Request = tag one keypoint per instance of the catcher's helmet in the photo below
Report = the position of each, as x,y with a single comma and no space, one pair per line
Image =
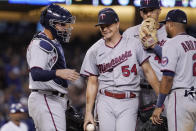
53,15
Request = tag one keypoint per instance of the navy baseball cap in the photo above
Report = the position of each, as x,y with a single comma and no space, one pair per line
107,16
17,108
149,4
176,15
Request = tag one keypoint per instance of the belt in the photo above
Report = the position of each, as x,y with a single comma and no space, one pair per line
56,93
118,95
147,86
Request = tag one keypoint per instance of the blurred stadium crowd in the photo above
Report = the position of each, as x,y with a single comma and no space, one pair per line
14,39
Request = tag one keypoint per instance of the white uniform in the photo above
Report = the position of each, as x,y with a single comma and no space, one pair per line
117,72
10,126
46,108
179,56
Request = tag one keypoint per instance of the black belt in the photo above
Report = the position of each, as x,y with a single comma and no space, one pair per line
56,93
147,86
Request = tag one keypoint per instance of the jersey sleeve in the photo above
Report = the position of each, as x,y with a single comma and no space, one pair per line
36,57
128,32
132,32
141,54
169,58
89,66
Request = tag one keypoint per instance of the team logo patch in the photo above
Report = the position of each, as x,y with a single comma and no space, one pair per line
147,1
164,61
102,16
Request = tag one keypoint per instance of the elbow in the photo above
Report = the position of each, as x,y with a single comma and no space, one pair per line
34,77
35,74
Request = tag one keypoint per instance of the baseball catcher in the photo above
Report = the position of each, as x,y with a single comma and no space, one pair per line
148,33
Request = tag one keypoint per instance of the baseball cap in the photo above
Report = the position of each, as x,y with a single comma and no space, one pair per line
107,16
16,108
149,4
176,15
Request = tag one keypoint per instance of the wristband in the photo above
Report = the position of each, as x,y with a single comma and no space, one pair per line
158,50
161,99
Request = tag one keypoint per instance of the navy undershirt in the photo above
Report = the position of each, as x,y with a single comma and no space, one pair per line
39,74
168,73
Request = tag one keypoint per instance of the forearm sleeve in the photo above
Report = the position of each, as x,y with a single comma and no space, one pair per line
39,74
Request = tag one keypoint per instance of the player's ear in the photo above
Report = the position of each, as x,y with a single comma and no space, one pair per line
118,25
142,14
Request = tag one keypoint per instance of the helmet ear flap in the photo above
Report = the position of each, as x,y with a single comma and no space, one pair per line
42,20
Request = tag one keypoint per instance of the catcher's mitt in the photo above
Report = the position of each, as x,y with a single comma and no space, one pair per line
74,120
148,33
149,126
145,112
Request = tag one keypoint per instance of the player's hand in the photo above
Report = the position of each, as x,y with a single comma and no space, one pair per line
67,74
88,119
156,116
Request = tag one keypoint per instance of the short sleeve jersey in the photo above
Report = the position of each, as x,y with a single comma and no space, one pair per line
154,60
179,56
116,68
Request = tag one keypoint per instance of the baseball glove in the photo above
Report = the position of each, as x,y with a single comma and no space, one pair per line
148,33
74,120
145,112
149,126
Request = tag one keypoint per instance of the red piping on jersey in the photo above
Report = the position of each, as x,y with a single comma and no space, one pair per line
175,113
116,43
90,73
145,60
34,67
83,75
50,112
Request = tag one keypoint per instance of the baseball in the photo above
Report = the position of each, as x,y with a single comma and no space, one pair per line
90,127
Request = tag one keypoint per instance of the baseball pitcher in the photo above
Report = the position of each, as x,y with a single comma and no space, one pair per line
111,65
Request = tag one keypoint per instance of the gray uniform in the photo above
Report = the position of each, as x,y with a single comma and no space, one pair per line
179,56
117,71
147,95
46,108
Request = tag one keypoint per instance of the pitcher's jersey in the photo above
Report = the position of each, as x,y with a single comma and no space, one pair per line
179,56
155,61
47,55
115,67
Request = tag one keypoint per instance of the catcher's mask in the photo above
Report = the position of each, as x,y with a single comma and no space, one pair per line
58,20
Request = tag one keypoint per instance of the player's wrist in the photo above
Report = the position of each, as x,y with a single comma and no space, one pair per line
57,73
160,101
